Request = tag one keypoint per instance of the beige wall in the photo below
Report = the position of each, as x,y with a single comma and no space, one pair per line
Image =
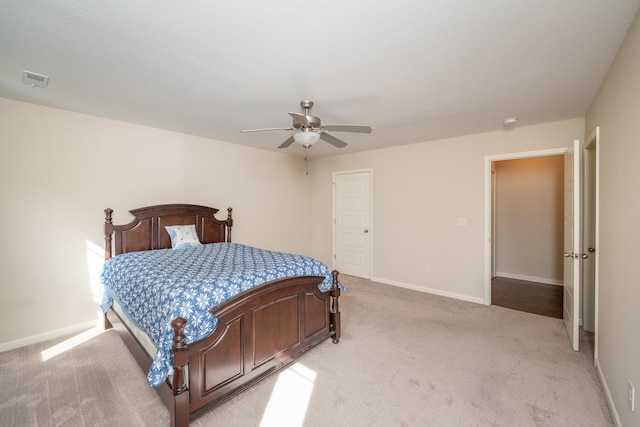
616,110
529,211
60,170
419,192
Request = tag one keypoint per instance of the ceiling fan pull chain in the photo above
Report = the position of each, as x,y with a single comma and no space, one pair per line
306,158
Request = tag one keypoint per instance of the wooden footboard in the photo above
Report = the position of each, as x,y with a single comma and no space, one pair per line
258,333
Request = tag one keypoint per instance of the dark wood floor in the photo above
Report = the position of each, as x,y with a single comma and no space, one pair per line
532,297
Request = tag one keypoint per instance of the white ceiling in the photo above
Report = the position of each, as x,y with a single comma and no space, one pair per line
414,70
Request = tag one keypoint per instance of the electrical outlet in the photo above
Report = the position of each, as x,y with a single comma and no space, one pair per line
632,397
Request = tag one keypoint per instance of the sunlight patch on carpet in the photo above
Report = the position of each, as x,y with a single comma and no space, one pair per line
72,342
289,400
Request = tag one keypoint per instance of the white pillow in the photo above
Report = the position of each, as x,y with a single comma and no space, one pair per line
183,236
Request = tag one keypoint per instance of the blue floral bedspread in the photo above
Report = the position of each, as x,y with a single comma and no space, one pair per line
155,287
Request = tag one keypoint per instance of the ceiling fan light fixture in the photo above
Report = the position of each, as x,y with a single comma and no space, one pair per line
306,137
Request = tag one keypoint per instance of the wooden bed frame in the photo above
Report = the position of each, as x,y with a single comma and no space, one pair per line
259,331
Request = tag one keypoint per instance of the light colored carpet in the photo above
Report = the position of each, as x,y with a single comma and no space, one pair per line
405,359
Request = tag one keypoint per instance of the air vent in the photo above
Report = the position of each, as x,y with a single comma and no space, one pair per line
34,79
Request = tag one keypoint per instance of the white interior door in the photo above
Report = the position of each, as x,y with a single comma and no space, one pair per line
589,186
352,239
572,245
591,237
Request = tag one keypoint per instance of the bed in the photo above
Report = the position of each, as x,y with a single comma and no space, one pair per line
257,332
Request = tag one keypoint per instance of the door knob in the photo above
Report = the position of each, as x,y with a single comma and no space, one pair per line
567,255
591,249
585,256
366,230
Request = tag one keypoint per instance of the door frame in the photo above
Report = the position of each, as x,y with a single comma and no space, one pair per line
488,206
333,213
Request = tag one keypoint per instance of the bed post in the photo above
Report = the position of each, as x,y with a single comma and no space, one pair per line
180,410
335,309
229,224
108,232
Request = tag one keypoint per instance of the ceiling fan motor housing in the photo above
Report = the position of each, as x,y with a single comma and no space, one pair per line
313,122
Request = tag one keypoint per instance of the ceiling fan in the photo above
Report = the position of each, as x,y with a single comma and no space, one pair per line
310,129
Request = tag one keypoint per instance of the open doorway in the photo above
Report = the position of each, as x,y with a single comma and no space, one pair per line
527,230
589,231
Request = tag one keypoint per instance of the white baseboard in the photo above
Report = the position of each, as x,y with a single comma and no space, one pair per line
607,393
429,290
529,278
47,335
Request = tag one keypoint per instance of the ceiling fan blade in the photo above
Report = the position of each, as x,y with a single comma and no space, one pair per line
265,129
348,128
300,118
338,143
287,143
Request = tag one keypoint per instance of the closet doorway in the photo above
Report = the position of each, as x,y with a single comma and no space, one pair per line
526,232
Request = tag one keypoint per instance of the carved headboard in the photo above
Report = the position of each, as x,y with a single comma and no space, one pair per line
146,231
